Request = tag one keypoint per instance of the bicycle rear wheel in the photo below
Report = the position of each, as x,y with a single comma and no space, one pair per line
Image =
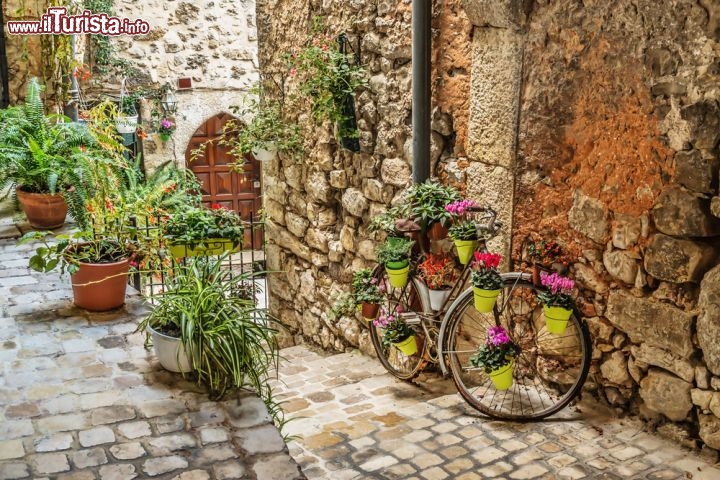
407,303
548,372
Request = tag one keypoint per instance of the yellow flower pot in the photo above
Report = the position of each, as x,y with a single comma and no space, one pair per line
502,377
484,299
398,278
208,247
408,346
556,319
465,250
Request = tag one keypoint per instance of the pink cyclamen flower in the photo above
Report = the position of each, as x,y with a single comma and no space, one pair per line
556,283
497,336
459,207
165,123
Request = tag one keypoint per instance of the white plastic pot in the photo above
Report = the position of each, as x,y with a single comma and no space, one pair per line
170,352
264,155
437,298
126,124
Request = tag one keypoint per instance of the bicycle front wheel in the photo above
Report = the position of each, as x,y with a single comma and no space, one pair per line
548,372
407,303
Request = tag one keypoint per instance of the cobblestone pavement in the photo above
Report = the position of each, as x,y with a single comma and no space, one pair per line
358,422
80,398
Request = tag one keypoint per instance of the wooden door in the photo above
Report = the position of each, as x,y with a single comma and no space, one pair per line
220,183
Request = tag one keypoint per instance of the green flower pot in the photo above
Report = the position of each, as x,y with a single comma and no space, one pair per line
398,277
556,319
484,299
502,377
465,250
408,346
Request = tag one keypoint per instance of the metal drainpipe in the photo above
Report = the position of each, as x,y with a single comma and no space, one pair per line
421,42
71,108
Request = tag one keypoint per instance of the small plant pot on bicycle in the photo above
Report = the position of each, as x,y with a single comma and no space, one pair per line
396,331
486,280
557,300
367,293
496,357
394,254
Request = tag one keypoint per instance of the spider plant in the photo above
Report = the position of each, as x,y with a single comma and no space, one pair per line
230,343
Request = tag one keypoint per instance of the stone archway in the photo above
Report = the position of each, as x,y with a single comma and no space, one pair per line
238,190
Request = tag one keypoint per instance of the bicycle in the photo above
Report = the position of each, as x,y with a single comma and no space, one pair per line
549,371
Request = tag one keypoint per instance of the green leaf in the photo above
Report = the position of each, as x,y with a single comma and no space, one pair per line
52,264
37,263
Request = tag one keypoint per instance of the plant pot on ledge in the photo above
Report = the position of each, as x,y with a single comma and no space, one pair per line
43,210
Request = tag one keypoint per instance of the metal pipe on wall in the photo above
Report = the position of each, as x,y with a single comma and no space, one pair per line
4,74
421,43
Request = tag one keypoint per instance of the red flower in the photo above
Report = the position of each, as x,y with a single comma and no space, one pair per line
216,206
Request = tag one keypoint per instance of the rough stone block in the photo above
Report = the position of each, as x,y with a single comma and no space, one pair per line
318,188
277,467
11,449
12,471
124,471
497,13
588,278
626,231
96,436
655,323
496,78
708,324
287,240
263,439
338,179
127,451
615,369
296,224
621,265
317,239
275,211
160,465
695,172
676,260
667,394
51,463
680,212
61,441
89,458
710,430
715,206
105,415
662,358
703,120
354,202
587,216
395,171
229,470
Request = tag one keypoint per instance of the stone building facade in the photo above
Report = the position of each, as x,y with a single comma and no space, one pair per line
595,123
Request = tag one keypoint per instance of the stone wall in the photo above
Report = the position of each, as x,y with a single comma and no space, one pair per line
214,43
319,208
618,159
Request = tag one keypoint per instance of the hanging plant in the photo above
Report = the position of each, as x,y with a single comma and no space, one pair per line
329,79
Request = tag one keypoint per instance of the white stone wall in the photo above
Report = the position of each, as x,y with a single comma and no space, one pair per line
212,42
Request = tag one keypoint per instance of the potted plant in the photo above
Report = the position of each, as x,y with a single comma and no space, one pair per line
438,273
543,254
496,357
266,133
427,203
205,327
486,280
126,120
166,127
196,231
98,265
557,300
463,230
367,293
44,160
394,254
396,331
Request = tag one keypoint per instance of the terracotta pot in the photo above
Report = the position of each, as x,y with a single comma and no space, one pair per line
100,286
370,310
44,211
437,231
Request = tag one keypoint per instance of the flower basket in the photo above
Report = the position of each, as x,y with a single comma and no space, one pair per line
437,298
211,246
465,249
408,346
502,377
484,299
370,310
126,124
556,319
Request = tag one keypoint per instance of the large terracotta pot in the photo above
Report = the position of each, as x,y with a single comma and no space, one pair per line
437,231
44,211
100,286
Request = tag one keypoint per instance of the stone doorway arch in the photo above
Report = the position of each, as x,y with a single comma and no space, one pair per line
240,191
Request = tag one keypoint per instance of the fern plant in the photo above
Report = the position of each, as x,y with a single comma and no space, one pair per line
50,154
